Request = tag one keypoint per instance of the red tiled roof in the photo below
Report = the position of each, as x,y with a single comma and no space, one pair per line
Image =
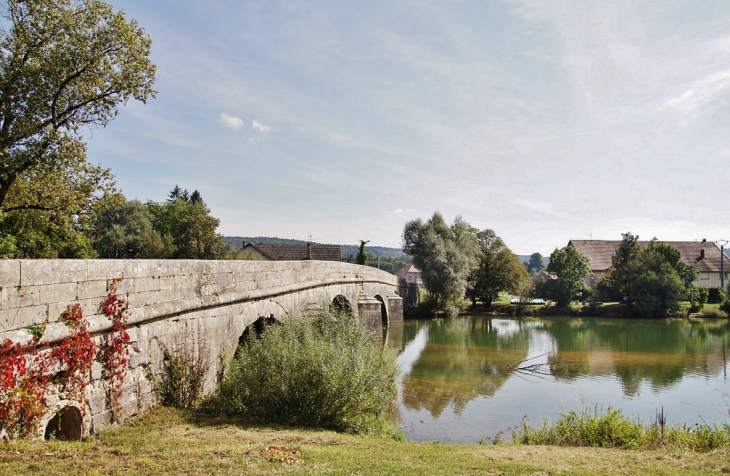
599,253
298,252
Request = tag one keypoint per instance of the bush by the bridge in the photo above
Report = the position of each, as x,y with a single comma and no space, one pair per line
323,371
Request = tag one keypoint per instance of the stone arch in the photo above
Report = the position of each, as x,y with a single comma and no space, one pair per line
255,330
383,309
65,425
341,304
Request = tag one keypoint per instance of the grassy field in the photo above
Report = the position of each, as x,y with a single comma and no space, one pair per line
178,442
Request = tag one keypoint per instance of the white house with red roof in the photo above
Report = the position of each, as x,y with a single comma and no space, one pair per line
410,273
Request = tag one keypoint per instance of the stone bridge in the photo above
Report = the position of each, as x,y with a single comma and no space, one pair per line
200,307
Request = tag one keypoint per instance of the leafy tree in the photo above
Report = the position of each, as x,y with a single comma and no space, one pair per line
498,269
655,277
362,255
48,207
536,264
123,229
663,279
64,64
570,268
187,229
444,254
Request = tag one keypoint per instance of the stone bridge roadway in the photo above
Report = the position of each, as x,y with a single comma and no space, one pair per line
200,306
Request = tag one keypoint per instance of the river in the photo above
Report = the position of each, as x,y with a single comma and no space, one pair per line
466,379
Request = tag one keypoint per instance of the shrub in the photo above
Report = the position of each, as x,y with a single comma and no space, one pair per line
714,314
323,370
183,377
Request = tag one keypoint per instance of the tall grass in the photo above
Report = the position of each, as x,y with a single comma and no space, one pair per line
612,429
323,370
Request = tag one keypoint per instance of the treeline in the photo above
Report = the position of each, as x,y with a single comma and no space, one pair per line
110,226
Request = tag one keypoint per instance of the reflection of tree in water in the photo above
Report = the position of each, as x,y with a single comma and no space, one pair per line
660,352
463,359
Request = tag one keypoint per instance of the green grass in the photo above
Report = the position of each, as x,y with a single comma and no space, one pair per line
182,442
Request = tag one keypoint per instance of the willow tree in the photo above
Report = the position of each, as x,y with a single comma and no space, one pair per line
65,65
444,254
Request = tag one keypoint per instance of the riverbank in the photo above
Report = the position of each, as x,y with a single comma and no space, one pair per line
178,442
607,310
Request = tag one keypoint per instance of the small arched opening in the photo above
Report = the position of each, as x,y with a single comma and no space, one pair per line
65,425
340,304
255,330
383,309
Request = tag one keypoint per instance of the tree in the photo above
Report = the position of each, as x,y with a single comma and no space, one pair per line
123,229
569,268
64,64
47,210
663,279
536,264
362,255
187,229
444,254
498,269
654,278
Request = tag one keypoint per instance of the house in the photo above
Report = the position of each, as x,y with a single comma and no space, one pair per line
410,273
297,252
703,254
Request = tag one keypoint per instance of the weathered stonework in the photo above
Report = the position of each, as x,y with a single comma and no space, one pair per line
201,306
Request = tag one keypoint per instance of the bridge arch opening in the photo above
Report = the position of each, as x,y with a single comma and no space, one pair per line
65,425
341,304
255,330
383,309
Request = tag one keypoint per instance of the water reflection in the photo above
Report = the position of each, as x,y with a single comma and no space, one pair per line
461,360
458,367
659,352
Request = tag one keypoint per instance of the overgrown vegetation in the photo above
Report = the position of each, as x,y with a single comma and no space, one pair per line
323,370
612,429
183,377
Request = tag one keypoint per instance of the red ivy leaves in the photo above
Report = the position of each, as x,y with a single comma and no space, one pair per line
26,370
76,354
22,388
115,347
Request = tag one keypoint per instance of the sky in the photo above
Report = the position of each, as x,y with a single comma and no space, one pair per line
545,121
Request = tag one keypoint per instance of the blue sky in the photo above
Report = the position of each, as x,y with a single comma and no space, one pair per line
543,120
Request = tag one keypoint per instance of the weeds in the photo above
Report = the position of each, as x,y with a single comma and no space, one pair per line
612,429
183,377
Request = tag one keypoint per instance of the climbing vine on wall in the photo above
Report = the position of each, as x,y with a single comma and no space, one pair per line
26,371
75,354
115,350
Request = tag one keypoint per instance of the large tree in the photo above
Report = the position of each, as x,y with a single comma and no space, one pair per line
444,254
64,65
568,269
498,269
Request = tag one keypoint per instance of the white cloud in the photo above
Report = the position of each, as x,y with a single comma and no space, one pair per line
259,126
701,92
231,121
399,210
